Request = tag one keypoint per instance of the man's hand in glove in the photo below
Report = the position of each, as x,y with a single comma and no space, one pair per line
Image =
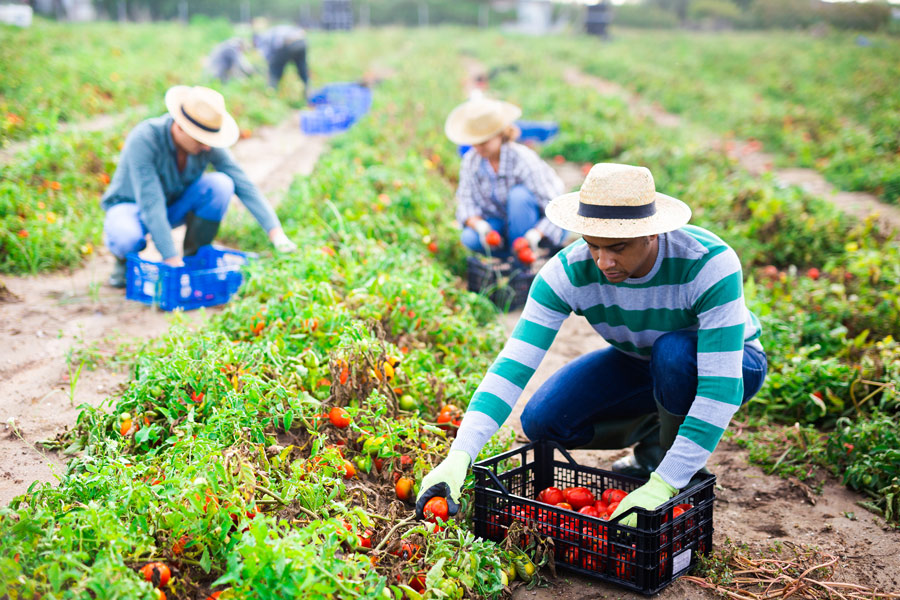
281,241
649,496
482,228
445,480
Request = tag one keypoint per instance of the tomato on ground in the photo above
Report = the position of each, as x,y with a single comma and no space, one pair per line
156,573
339,417
404,488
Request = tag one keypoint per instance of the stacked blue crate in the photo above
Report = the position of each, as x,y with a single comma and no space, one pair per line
532,131
336,107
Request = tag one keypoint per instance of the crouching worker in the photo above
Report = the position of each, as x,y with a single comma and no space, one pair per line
684,350
504,187
161,182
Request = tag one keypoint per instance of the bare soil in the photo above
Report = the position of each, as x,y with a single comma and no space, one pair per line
42,318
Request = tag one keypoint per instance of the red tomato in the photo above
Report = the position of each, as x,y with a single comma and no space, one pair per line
493,239
349,470
579,496
551,495
520,243
612,495
156,573
589,510
365,540
564,505
404,488
436,509
595,541
339,417
526,256
611,509
601,507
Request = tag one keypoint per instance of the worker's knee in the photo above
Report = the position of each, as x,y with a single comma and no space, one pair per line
122,230
219,188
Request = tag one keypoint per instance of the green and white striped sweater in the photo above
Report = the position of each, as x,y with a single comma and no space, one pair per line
694,285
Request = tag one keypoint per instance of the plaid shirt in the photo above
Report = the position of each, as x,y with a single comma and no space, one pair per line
482,193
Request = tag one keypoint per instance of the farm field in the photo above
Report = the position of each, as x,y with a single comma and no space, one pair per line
216,456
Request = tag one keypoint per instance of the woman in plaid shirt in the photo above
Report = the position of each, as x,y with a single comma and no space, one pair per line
503,186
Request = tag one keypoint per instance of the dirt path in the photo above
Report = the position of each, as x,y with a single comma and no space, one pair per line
749,156
58,312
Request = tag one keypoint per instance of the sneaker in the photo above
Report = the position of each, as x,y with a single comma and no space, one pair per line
118,277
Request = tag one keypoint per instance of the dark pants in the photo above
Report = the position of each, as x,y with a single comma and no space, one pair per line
296,52
608,384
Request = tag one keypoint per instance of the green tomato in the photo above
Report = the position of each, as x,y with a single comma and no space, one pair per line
363,462
407,402
373,445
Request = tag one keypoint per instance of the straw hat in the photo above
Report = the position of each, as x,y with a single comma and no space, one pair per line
479,119
200,112
618,201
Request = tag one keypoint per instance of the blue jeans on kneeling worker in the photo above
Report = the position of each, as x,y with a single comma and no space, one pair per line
207,198
609,384
522,213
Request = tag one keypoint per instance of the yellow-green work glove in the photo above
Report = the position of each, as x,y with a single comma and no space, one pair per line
648,496
445,480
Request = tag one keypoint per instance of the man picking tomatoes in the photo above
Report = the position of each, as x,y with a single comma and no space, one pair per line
684,350
161,181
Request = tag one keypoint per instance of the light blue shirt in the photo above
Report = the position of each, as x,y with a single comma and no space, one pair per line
148,175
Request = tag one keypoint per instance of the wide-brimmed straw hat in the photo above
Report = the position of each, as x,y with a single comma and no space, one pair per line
200,112
479,119
618,201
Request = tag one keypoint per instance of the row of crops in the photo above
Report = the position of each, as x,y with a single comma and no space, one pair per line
826,102
218,458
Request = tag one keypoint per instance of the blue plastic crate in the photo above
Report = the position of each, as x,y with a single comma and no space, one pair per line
325,120
208,278
532,131
353,97
537,131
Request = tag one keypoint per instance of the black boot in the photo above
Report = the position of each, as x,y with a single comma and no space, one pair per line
200,232
651,449
615,434
118,278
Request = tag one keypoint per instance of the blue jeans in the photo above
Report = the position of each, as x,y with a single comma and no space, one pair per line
608,384
207,198
523,213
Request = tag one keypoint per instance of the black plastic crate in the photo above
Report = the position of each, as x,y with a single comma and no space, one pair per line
505,284
645,558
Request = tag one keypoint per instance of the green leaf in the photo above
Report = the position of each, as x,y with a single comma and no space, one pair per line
288,419
206,561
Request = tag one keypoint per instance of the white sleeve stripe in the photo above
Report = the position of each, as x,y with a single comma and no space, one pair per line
522,352
712,411
500,387
720,364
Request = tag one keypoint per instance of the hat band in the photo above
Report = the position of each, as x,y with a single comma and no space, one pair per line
198,123
605,211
